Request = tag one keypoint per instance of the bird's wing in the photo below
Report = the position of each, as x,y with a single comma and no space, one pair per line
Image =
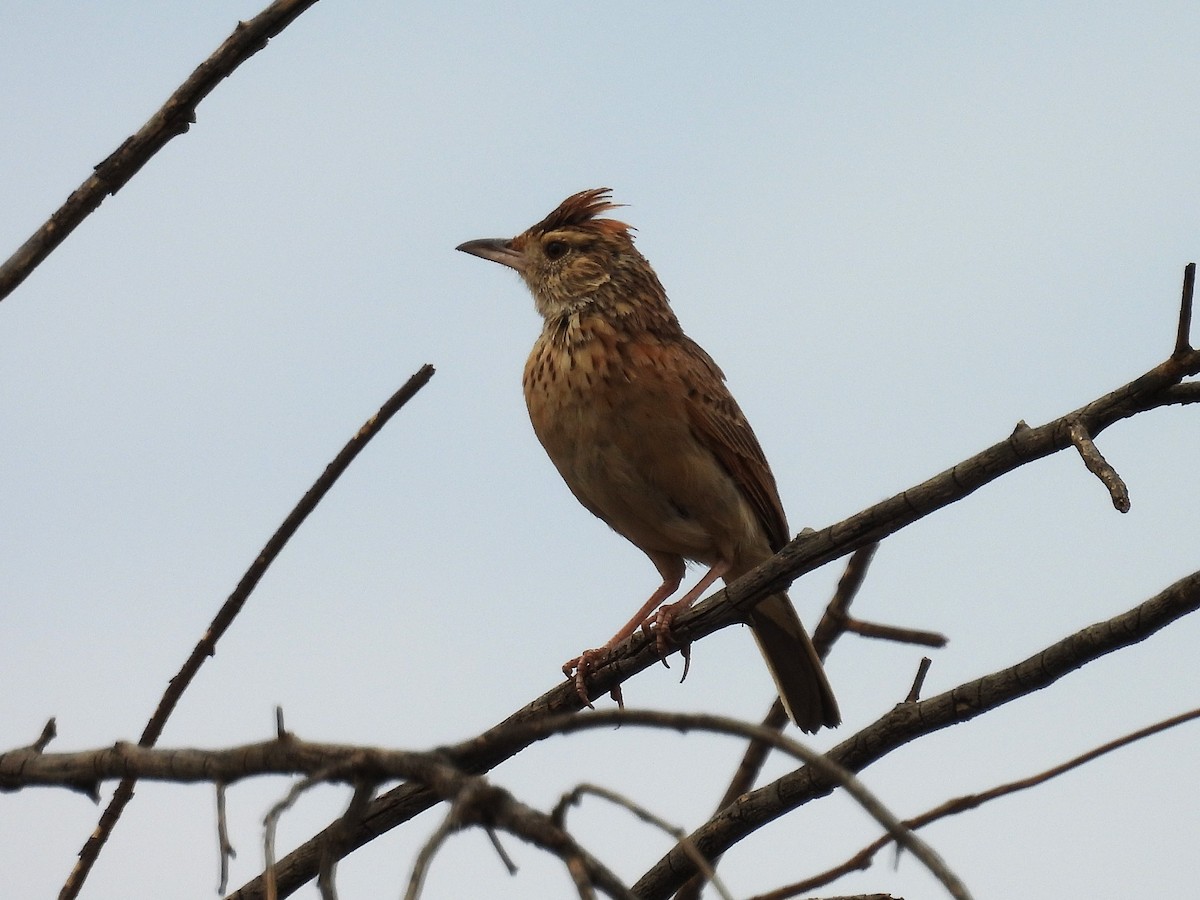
721,425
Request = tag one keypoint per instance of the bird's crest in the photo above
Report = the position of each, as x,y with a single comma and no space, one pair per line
580,211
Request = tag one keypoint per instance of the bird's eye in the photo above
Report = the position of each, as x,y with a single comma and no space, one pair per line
556,250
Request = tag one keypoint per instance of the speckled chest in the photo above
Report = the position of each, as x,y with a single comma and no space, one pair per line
588,365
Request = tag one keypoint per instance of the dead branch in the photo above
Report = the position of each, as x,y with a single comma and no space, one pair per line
224,847
174,118
483,804
575,797
228,612
1100,467
914,693
862,860
1183,344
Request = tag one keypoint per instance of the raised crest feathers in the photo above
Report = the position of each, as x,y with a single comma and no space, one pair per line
580,211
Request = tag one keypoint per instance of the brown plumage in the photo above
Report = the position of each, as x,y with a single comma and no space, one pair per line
637,420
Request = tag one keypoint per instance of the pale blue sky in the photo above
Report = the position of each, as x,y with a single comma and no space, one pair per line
899,229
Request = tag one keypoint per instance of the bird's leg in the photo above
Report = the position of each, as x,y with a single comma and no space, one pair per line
590,659
661,621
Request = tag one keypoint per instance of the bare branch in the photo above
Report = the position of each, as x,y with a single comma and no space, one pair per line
895,633
824,764
49,733
1182,394
1099,466
224,847
837,612
862,860
364,790
575,796
478,802
900,726
475,800
228,611
1183,344
914,693
174,118
416,879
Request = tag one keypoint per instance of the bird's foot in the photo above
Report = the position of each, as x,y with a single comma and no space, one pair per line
659,624
578,668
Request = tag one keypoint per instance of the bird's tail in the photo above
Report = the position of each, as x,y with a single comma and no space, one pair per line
794,664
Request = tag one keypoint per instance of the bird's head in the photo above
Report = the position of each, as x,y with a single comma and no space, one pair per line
571,258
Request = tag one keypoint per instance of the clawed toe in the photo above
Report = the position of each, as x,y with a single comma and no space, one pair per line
659,625
578,669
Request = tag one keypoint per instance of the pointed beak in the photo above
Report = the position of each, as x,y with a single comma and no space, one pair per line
497,250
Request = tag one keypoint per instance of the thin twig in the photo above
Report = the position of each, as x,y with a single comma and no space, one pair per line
914,693
49,733
428,850
1183,343
862,859
206,647
364,790
224,847
825,768
573,798
174,118
271,821
1099,466
500,851
895,633
833,622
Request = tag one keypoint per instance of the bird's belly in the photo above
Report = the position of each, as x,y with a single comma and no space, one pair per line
639,470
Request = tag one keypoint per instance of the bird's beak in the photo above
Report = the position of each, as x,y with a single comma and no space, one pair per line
497,250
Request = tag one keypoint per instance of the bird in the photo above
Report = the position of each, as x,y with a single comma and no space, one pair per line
638,421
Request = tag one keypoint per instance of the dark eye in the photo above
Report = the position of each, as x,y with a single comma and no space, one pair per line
556,250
